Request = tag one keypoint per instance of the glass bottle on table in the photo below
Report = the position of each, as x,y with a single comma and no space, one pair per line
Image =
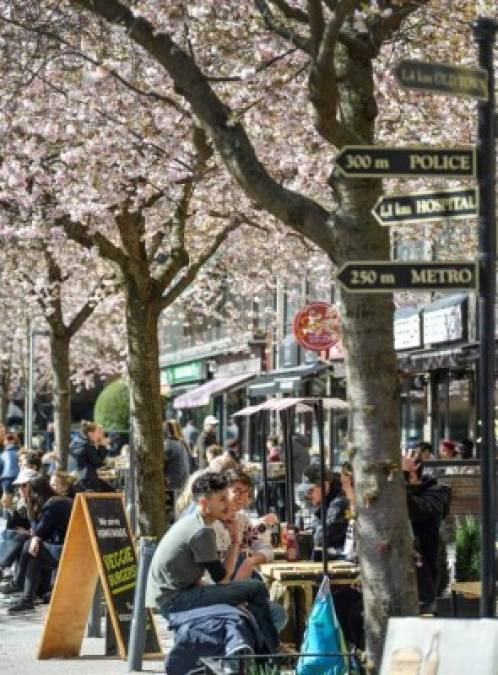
292,547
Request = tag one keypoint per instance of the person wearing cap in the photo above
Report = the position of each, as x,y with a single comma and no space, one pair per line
206,438
335,503
18,524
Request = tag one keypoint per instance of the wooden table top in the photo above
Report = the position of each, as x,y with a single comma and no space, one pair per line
469,589
309,571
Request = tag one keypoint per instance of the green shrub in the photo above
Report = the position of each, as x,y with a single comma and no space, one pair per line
468,550
112,408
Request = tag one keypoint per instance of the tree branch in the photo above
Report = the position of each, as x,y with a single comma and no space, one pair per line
317,23
382,28
229,138
289,12
54,318
78,233
86,310
324,93
276,26
193,270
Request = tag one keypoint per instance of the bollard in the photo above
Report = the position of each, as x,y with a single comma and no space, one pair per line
94,620
137,632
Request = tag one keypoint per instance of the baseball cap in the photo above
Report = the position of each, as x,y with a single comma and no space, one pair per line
210,419
25,476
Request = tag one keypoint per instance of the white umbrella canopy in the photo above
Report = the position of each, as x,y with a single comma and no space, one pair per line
302,405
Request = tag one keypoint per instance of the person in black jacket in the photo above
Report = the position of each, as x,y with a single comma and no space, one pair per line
428,504
336,505
89,453
49,516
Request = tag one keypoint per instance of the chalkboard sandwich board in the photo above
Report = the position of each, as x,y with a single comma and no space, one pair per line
98,545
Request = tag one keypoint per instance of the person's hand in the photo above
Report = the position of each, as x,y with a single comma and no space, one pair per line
233,529
270,519
407,464
245,570
34,546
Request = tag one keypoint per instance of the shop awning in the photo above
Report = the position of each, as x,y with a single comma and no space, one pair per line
200,396
283,381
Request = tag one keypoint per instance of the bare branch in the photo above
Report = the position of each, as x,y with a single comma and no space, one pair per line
78,233
384,27
278,27
317,23
323,80
72,51
87,309
191,273
289,12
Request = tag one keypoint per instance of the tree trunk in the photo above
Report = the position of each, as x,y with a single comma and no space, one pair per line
387,568
145,405
59,352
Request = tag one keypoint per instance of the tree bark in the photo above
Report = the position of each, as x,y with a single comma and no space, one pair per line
142,314
59,352
386,549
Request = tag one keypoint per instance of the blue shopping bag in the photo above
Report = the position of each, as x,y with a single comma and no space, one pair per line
323,634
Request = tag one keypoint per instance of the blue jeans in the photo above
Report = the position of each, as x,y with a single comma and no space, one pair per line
234,593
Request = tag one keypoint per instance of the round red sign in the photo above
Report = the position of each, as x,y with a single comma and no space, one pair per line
317,326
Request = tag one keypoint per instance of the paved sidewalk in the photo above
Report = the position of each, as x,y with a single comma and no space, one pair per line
20,636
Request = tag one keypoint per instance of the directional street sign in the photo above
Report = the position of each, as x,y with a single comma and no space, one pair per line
377,276
421,207
363,161
443,78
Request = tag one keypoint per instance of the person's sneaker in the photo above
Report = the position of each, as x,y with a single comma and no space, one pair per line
9,587
21,606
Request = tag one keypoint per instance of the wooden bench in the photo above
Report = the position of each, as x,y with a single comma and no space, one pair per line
465,494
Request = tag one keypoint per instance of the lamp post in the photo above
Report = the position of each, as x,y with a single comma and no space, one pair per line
485,30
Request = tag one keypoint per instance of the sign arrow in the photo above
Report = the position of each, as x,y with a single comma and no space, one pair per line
443,78
421,207
363,161
378,276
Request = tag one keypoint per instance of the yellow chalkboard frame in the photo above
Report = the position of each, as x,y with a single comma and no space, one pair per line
79,568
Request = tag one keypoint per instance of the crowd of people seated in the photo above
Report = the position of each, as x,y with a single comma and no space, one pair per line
212,552
36,502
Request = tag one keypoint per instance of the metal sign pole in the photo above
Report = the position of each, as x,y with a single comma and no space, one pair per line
485,33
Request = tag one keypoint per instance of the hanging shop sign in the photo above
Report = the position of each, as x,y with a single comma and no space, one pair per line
422,207
364,161
407,330
317,327
443,325
443,78
193,371
381,277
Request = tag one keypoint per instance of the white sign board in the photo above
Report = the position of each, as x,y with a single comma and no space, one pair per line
417,646
443,325
407,333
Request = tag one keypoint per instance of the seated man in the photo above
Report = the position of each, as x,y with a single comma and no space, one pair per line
188,549
337,513
253,537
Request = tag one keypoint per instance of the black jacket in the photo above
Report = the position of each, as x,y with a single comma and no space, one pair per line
88,459
428,504
337,520
54,519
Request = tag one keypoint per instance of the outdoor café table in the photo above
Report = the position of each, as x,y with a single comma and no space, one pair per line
307,576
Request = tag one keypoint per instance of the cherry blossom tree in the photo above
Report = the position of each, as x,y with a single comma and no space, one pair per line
335,54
